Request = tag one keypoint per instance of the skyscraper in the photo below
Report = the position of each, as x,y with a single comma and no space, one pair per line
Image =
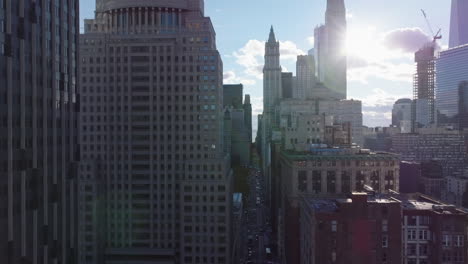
306,80
424,85
155,178
335,23
402,113
451,69
272,93
38,131
459,23
287,84
320,52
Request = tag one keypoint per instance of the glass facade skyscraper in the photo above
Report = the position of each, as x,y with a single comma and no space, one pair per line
451,69
459,23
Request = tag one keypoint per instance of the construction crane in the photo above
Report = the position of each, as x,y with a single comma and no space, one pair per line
436,36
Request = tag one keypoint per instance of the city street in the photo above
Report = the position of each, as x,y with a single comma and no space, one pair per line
256,229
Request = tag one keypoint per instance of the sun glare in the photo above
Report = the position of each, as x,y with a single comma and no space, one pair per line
363,43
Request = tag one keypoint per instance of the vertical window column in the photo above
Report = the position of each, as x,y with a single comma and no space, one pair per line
179,18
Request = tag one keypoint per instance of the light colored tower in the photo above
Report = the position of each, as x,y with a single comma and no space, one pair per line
306,80
335,24
459,23
272,93
271,75
155,182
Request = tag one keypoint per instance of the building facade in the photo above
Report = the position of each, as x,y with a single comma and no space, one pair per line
424,83
444,146
433,232
451,69
330,49
155,181
287,85
232,95
361,229
306,80
402,114
39,153
324,173
458,23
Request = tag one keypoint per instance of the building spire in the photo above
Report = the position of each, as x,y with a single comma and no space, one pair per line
272,37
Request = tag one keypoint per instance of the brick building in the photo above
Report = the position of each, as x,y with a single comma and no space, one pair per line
358,230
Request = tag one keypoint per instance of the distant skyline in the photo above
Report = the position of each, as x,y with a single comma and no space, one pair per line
382,39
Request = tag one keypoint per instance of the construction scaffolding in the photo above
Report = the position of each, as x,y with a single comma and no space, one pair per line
424,80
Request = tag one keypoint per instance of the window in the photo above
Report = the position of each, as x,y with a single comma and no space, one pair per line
411,249
385,241
446,240
411,234
423,235
334,225
302,181
459,241
384,225
423,249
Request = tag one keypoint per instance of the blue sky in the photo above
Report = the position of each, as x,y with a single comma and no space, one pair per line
382,36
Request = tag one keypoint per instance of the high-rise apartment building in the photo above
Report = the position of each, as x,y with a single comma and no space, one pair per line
38,131
155,182
458,23
451,69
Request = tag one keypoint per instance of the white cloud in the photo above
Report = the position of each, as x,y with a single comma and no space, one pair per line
387,56
230,77
311,40
377,107
402,72
289,50
251,56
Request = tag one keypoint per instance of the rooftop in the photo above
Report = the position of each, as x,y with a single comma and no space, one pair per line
339,154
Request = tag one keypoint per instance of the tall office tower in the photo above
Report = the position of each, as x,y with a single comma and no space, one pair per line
232,95
459,23
463,105
306,80
451,69
248,115
287,85
320,52
424,84
335,23
272,93
155,180
402,114
38,131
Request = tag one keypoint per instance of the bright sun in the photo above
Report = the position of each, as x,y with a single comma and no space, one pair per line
363,43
